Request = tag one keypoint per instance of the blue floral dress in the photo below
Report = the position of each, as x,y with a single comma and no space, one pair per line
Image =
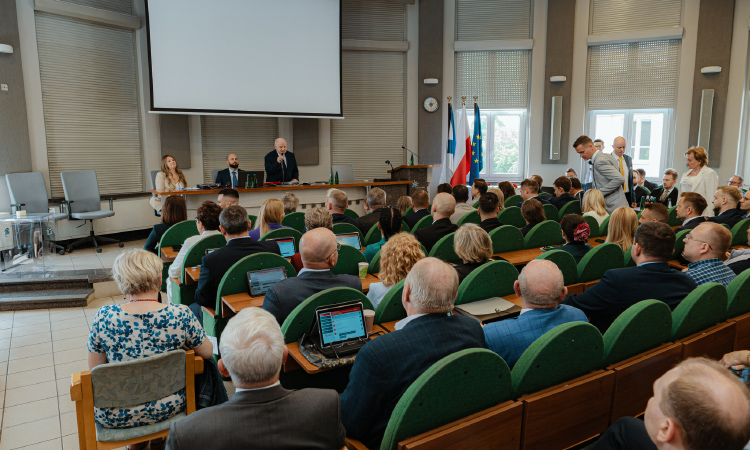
125,337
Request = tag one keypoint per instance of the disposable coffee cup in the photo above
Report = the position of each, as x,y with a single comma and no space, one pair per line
363,269
369,319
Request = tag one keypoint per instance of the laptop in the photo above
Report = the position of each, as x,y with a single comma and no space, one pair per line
243,176
342,328
260,281
286,245
349,239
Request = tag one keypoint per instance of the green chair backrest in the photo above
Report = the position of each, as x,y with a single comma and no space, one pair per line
253,220
299,320
511,215
679,243
177,233
739,232
628,258
284,232
551,213
643,326
390,307
703,308
513,200
234,280
198,251
572,207
673,221
476,204
481,377
374,266
738,293
405,227
348,262
491,279
561,354
593,225
599,260
648,191
472,217
443,249
295,220
424,222
565,262
408,211
506,238
604,227
373,236
350,213
544,234
343,227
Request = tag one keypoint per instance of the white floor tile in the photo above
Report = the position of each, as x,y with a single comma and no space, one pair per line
31,320
6,324
67,369
63,387
65,404
30,433
74,354
68,424
65,314
69,323
70,333
96,303
30,312
5,334
30,329
30,363
69,344
21,341
30,350
4,355
29,412
54,444
4,344
70,442
30,378
28,394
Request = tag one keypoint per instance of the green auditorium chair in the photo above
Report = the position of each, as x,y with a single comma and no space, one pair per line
738,309
544,234
471,217
175,235
679,243
294,220
511,215
345,228
604,227
373,236
701,309
506,238
572,207
513,200
183,294
348,261
551,213
599,260
673,221
390,307
424,222
443,249
350,213
491,279
593,225
565,262
643,326
739,232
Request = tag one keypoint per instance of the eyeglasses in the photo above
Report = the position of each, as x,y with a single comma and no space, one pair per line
338,247
689,237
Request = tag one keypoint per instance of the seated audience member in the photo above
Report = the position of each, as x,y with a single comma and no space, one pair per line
744,205
698,405
233,224
622,226
319,252
500,196
576,190
736,181
725,203
169,179
261,414
374,201
705,248
594,205
689,208
174,210
538,179
620,289
403,203
530,190
269,218
478,188
507,188
489,208
667,195
397,257
533,213
207,221
314,218
638,190
571,173
739,260
576,232
461,194
562,195
228,197
421,202
385,367
443,207
291,202
336,203
654,212
445,187
474,246
140,328
389,224
651,186
540,287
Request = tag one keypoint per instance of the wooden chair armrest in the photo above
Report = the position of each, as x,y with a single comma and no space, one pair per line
210,311
353,444
198,365
76,393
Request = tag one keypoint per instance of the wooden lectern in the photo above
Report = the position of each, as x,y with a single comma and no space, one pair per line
419,175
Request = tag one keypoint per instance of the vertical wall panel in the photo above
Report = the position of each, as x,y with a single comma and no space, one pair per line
430,66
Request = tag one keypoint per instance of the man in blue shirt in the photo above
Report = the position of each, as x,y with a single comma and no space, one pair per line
540,286
705,247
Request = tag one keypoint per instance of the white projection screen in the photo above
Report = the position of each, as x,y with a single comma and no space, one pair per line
256,57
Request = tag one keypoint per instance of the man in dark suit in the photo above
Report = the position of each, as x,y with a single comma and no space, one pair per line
336,203
230,175
530,189
443,206
651,186
667,195
744,205
562,197
388,365
261,414
576,190
280,164
725,203
689,208
373,202
489,208
233,223
421,202
625,165
319,252
620,289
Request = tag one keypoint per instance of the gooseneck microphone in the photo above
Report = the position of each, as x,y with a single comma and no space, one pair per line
410,152
389,163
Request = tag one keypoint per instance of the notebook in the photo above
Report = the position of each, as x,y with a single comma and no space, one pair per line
490,310
260,281
349,239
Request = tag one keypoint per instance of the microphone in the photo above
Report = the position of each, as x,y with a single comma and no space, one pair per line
389,163
410,152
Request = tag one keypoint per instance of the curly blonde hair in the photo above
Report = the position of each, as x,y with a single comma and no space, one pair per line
136,271
397,256
622,225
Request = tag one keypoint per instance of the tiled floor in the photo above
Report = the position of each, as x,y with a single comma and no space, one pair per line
87,258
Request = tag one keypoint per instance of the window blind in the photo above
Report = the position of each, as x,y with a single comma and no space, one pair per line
250,138
617,16
479,20
89,94
373,128
120,6
499,78
373,20
633,75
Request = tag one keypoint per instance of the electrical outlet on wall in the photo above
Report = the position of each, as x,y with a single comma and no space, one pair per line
3,87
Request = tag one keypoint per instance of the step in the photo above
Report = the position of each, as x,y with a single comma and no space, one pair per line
38,299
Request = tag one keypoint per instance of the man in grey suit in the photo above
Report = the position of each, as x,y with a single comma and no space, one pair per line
261,414
319,252
624,165
606,173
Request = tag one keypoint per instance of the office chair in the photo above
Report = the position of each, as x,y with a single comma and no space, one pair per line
153,187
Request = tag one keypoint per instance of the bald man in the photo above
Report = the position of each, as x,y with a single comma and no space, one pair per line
280,164
705,248
540,287
625,164
319,252
443,207
230,175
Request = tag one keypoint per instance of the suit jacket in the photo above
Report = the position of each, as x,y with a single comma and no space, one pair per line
464,269
461,210
388,365
364,223
429,236
609,180
640,192
562,200
620,289
509,338
286,295
155,236
276,172
577,249
413,218
525,230
490,224
343,218
224,178
628,168
729,217
269,418
671,197
650,185
541,199
694,222
217,263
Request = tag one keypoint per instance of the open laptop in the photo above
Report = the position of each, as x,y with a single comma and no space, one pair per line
260,281
342,328
349,239
243,176
286,245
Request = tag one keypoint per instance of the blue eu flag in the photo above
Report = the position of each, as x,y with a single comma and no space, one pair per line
477,163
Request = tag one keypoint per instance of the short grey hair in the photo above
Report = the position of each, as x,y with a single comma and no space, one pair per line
742,180
318,218
252,346
541,283
433,286
376,197
137,271
338,199
234,219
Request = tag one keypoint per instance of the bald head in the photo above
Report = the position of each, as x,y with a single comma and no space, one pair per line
430,287
280,145
317,248
443,206
618,146
540,285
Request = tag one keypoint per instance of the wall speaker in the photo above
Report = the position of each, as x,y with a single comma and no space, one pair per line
556,128
704,126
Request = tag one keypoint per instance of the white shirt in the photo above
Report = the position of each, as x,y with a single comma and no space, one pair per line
236,390
688,220
402,323
283,156
312,270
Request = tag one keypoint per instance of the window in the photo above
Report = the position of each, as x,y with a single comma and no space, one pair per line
503,143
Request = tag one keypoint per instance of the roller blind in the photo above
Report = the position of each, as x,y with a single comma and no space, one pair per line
120,6
633,75
479,20
373,128
617,16
89,94
250,138
373,20
499,78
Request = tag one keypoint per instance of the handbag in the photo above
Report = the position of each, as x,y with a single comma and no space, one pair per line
490,310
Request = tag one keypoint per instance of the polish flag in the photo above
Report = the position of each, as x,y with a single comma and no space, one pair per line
462,157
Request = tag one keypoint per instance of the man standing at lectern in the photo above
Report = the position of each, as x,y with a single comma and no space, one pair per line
280,165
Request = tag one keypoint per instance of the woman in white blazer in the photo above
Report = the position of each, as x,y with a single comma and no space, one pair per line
700,179
170,179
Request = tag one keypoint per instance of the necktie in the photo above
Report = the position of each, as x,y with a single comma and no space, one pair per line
234,178
625,184
663,196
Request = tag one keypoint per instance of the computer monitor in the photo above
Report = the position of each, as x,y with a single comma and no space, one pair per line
260,281
286,245
349,239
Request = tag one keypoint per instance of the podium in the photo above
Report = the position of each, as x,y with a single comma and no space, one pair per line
419,175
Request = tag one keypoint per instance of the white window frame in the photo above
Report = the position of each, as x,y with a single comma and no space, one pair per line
489,138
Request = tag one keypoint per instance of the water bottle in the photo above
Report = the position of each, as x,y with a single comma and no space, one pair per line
643,202
247,182
255,181
330,180
669,203
337,177
411,162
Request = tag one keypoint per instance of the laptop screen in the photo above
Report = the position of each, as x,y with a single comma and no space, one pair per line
349,239
340,324
286,245
260,281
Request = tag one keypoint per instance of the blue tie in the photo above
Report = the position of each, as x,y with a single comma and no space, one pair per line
234,178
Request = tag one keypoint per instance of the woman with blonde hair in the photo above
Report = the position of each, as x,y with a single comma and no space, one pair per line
700,178
473,245
269,218
594,205
397,256
622,226
169,179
